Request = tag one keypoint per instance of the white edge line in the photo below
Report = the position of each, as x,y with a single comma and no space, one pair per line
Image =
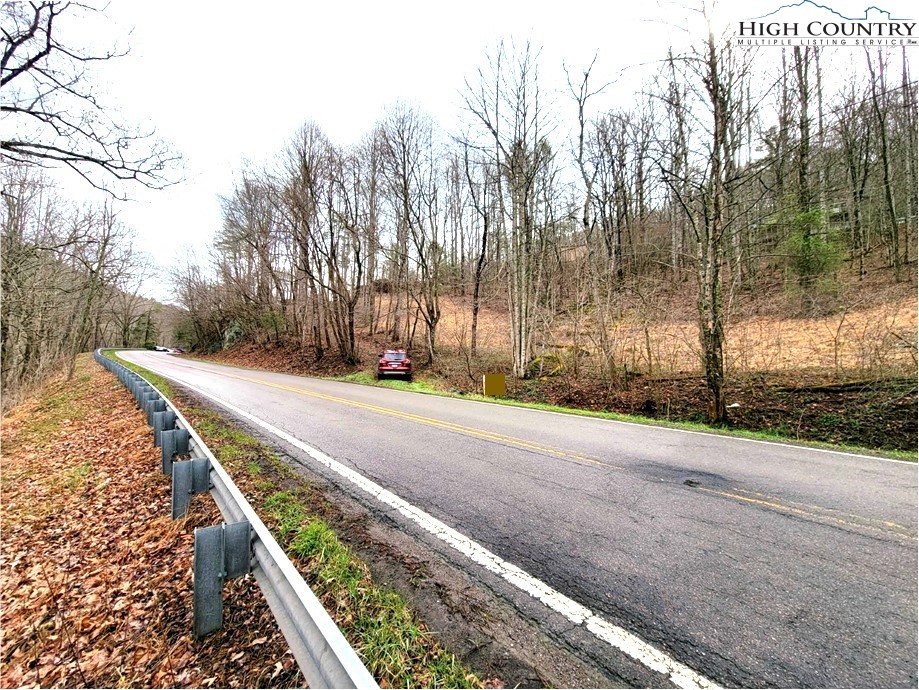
679,674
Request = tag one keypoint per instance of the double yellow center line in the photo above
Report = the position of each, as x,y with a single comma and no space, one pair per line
827,516
815,513
437,423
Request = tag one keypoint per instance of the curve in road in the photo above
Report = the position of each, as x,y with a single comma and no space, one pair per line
752,563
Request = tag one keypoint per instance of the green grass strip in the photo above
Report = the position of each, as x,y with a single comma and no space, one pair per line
382,628
158,381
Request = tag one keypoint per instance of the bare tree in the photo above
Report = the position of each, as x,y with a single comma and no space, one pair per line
676,149
508,106
53,117
250,257
203,299
415,185
342,246
855,138
483,210
881,112
129,312
103,259
707,196
305,179
593,164
60,267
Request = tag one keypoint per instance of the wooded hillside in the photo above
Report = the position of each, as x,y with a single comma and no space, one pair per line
731,182
71,282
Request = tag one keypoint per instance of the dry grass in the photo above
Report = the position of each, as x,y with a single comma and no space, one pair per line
877,340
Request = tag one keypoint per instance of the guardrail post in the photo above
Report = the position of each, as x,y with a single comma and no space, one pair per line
154,406
221,553
188,478
146,394
162,421
174,442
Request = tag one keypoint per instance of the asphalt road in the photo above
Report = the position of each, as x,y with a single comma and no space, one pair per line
754,564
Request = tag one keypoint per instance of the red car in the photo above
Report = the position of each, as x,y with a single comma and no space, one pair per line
394,363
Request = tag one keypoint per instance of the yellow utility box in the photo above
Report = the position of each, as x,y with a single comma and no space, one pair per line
494,385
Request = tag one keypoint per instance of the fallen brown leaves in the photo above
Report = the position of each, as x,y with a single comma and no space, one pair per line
96,586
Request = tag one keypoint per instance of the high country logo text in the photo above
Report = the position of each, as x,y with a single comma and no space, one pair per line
828,29
809,23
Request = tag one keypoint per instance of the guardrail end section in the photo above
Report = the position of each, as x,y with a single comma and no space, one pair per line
221,553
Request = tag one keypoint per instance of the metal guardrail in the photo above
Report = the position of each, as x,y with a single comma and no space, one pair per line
241,545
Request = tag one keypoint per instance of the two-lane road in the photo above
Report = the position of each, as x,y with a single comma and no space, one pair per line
690,557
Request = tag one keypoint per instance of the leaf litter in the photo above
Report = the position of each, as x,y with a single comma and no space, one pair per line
95,578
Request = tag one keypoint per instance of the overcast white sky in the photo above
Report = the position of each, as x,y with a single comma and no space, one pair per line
224,83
